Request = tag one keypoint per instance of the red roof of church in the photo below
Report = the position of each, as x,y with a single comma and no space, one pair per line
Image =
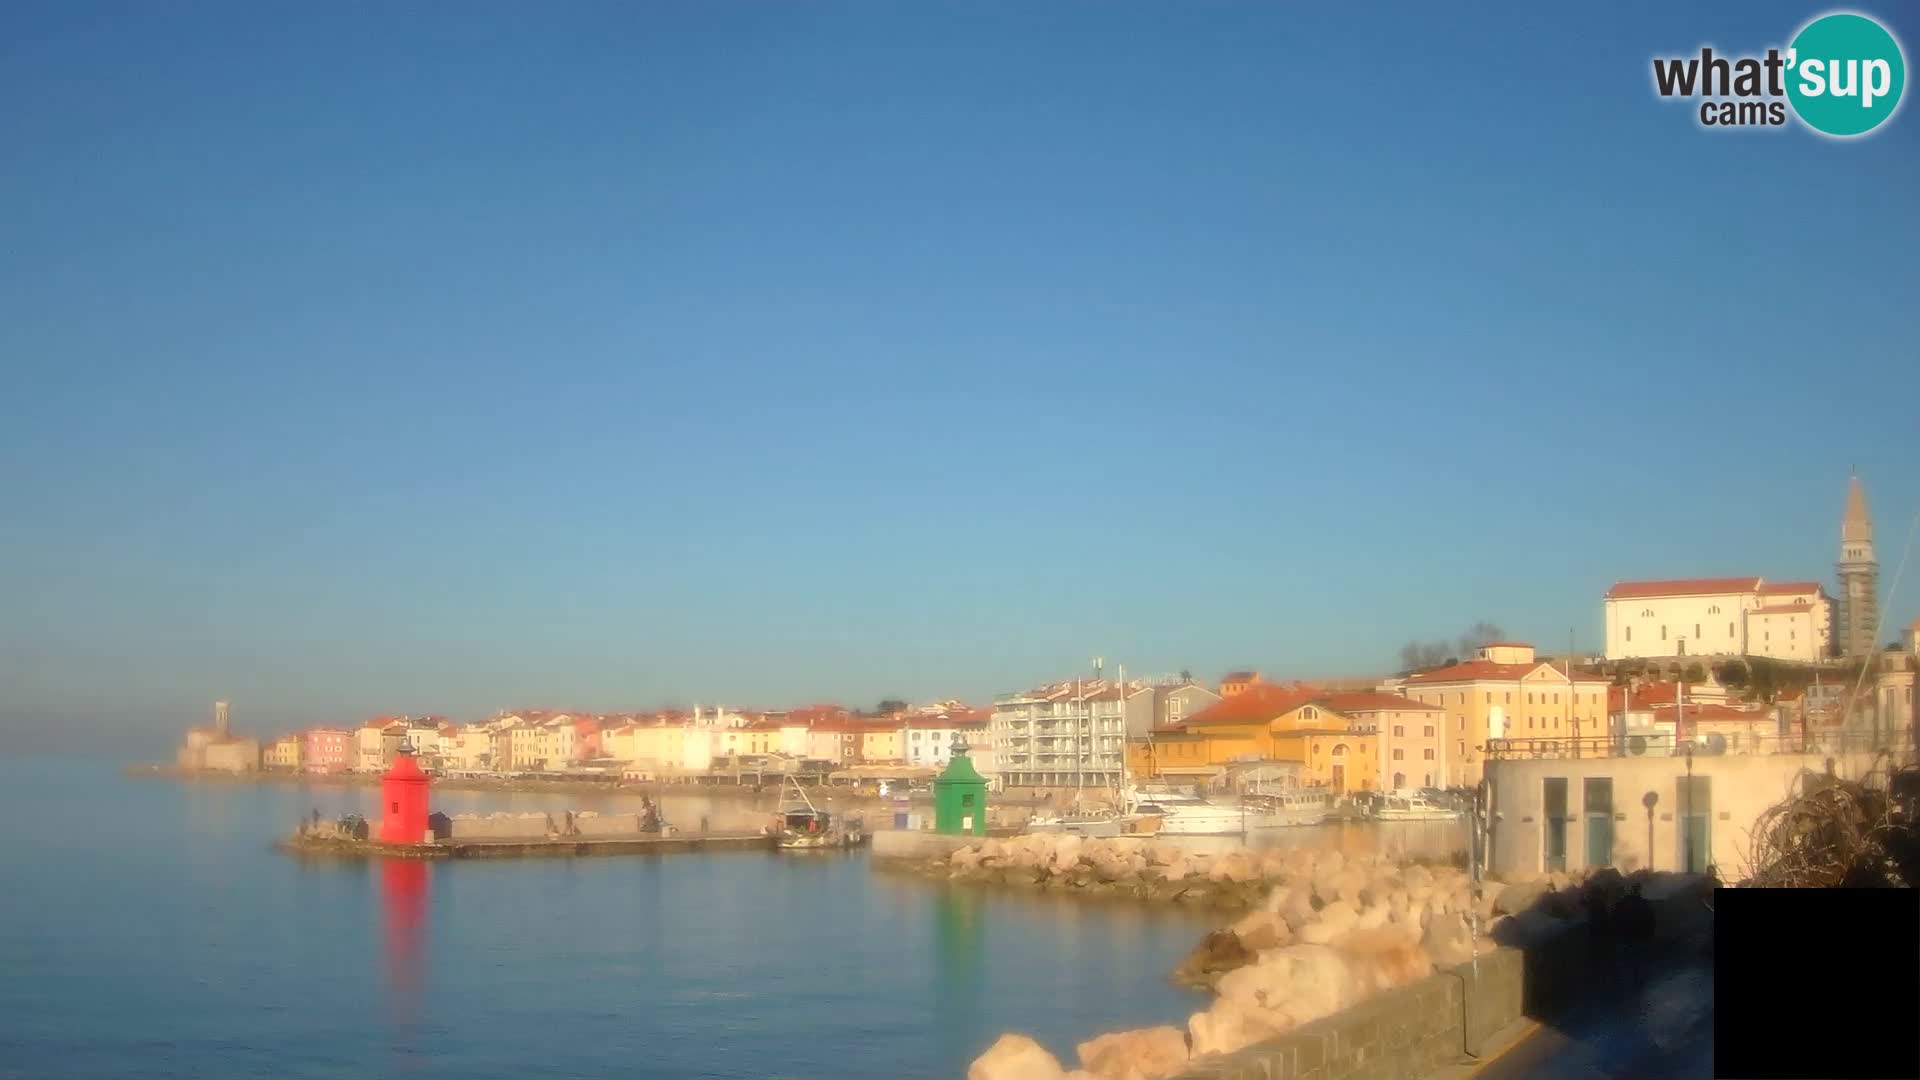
1682,587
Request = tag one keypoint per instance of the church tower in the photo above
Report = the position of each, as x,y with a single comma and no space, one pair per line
1859,577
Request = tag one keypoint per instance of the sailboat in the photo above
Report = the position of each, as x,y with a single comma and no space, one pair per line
805,827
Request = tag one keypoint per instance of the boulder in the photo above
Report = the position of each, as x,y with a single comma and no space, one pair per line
1164,854
1235,867
966,858
1226,1026
1066,851
1516,898
1218,953
1489,896
1015,1057
1448,941
1333,923
1276,900
1384,959
1372,917
1144,1054
1290,986
1263,930
1416,875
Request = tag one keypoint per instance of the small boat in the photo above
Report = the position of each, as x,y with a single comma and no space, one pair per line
1403,806
1290,808
803,826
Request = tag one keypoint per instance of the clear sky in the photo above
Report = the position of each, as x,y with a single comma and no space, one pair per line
371,357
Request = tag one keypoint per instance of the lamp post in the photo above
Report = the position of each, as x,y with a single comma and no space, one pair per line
1649,800
1686,814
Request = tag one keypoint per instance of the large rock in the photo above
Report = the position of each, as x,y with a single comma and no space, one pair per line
1144,1054
1489,896
1235,867
1372,917
1334,922
1066,851
1263,930
966,858
1227,1026
1448,941
1291,986
1516,898
1218,953
1385,959
1015,1057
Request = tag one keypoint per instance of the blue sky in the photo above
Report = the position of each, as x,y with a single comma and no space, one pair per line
373,358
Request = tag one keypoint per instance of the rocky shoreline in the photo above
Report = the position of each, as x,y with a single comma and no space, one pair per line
1319,933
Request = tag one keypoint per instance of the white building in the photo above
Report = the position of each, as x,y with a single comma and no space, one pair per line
1744,616
1069,734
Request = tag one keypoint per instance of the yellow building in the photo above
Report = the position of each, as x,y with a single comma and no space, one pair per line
880,743
1505,692
283,753
1263,723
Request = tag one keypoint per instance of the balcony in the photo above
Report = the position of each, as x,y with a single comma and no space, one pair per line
1705,744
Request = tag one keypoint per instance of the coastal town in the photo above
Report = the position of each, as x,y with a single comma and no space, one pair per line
1754,673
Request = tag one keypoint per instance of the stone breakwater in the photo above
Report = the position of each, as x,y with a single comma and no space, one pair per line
1321,932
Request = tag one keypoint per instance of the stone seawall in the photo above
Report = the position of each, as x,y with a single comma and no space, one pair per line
1345,967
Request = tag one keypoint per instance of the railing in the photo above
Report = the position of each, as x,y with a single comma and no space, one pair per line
1706,744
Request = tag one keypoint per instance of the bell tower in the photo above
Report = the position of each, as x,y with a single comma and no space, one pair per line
1859,577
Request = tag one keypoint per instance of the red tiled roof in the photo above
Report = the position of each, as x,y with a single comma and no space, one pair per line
1372,701
1789,587
1239,676
1261,701
1682,587
1716,712
1487,669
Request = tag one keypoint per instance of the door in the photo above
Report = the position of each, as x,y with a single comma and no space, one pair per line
1339,779
1554,792
1695,819
1597,803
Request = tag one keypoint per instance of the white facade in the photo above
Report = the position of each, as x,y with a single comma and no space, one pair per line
1070,734
928,742
366,744
1718,617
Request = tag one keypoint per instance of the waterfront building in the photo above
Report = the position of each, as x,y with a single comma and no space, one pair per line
1562,805
1406,734
880,741
328,750
1165,702
283,753
377,740
1268,723
1506,690
1067,734
468,748
927,740
1859,575
232,754
524,750
1710,617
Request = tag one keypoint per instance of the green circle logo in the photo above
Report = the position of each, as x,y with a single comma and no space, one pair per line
1845,74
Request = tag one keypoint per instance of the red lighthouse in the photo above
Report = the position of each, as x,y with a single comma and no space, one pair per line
403,802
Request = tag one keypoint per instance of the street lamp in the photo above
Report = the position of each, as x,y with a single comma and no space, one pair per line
1649,800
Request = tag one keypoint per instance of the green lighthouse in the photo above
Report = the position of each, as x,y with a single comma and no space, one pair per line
960,796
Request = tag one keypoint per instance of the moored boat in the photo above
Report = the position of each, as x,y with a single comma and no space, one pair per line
803,826
1407,806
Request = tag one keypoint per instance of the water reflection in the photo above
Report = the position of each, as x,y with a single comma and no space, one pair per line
403,895
959,991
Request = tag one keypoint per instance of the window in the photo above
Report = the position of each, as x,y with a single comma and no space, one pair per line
1428,753
1429,732
1714,610
1629,633
1399,754
1489,697
1463,698
1529,699
1556,699
1399,731
1729,631
1663,632
1309,713
1696,631
1509,698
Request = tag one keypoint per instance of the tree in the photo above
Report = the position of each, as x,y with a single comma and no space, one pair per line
1479,636
890,706
1419,656
1694,673
1733,674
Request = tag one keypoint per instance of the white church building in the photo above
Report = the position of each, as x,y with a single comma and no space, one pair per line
1711,617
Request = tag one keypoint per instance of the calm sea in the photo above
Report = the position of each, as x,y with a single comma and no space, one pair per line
149,929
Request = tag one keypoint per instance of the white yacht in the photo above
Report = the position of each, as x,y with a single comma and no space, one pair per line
1406,806
1299,806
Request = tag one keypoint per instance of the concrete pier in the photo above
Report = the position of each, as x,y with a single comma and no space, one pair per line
545,847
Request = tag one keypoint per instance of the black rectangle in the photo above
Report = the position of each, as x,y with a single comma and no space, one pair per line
1816,983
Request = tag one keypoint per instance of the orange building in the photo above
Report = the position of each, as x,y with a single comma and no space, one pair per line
1264,722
